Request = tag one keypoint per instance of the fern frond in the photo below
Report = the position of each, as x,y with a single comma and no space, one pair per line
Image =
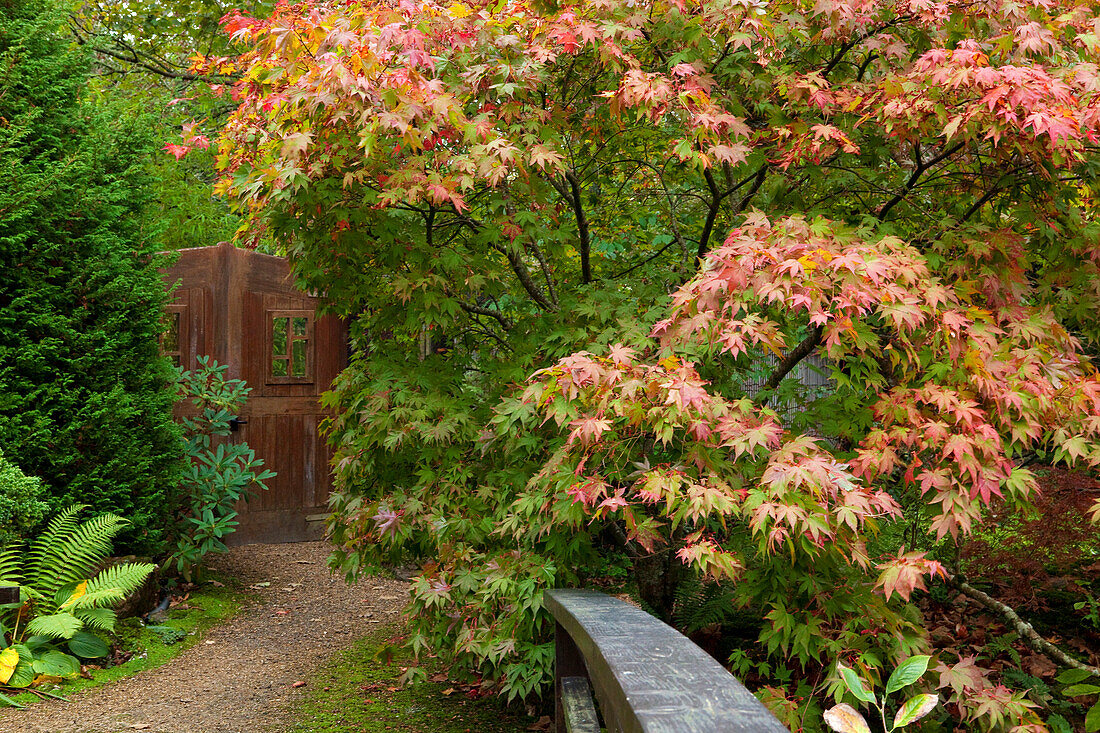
102,598
46,543
10,565
56,626
98,619
75,554
699,605
126,576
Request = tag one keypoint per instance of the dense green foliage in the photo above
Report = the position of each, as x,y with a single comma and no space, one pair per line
142,51
21,504
654,212
85,401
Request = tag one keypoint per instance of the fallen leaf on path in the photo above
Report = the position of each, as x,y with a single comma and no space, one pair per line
258,586
216,584
139,726
440,677
449,691
299,683
542,723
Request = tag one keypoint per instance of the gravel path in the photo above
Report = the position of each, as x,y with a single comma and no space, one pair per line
239,678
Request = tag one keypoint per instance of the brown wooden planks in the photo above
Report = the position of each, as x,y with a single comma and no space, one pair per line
227,297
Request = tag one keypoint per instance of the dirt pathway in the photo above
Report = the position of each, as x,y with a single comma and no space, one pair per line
239,678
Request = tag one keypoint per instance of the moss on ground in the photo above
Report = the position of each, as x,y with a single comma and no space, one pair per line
357,693
145,648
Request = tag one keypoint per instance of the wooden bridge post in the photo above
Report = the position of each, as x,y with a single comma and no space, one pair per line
647,677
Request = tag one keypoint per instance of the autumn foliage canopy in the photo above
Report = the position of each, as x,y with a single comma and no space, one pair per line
590,250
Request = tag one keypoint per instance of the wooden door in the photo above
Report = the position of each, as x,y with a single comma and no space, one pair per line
268,333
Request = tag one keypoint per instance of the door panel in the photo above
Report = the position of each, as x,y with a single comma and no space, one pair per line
242,308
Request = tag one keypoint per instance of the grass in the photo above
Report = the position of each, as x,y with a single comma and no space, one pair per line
356,693
207,606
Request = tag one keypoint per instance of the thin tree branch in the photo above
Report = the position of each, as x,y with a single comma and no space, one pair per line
789,362
585,246
980,203
518,267
1027,632
918,170
712,214
525,279
545,266
844,49
644,262
758,181
474,308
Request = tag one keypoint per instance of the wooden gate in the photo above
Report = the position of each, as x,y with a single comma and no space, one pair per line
243,309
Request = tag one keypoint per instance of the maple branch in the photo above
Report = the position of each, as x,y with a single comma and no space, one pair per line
525,278
789,362
712,214
716,199
918,170
844,49
429,230
585,247
545,267
474,308
141,59
980,203
644,262
516,262
757,182
871,56
483,331
1027,632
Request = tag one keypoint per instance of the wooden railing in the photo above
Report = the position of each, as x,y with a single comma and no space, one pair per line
647,677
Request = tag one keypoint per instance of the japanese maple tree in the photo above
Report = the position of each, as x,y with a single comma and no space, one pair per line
646,204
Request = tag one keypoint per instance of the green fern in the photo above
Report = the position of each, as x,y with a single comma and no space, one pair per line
97,619
127,576
699,605
44,551
9,566
54,571
71,556
55,626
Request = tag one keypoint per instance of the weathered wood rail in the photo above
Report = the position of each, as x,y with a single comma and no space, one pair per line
647,677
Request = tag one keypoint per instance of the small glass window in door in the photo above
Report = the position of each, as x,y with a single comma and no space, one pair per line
170,337
291,354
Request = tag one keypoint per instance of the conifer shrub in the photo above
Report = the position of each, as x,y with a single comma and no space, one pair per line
85,397
21,504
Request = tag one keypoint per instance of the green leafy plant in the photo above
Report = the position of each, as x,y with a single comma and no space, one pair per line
1076,679
219,474
61,608
851,183
1091,608
844,718
21,504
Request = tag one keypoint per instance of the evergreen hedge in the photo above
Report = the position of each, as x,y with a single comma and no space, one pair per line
85,402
